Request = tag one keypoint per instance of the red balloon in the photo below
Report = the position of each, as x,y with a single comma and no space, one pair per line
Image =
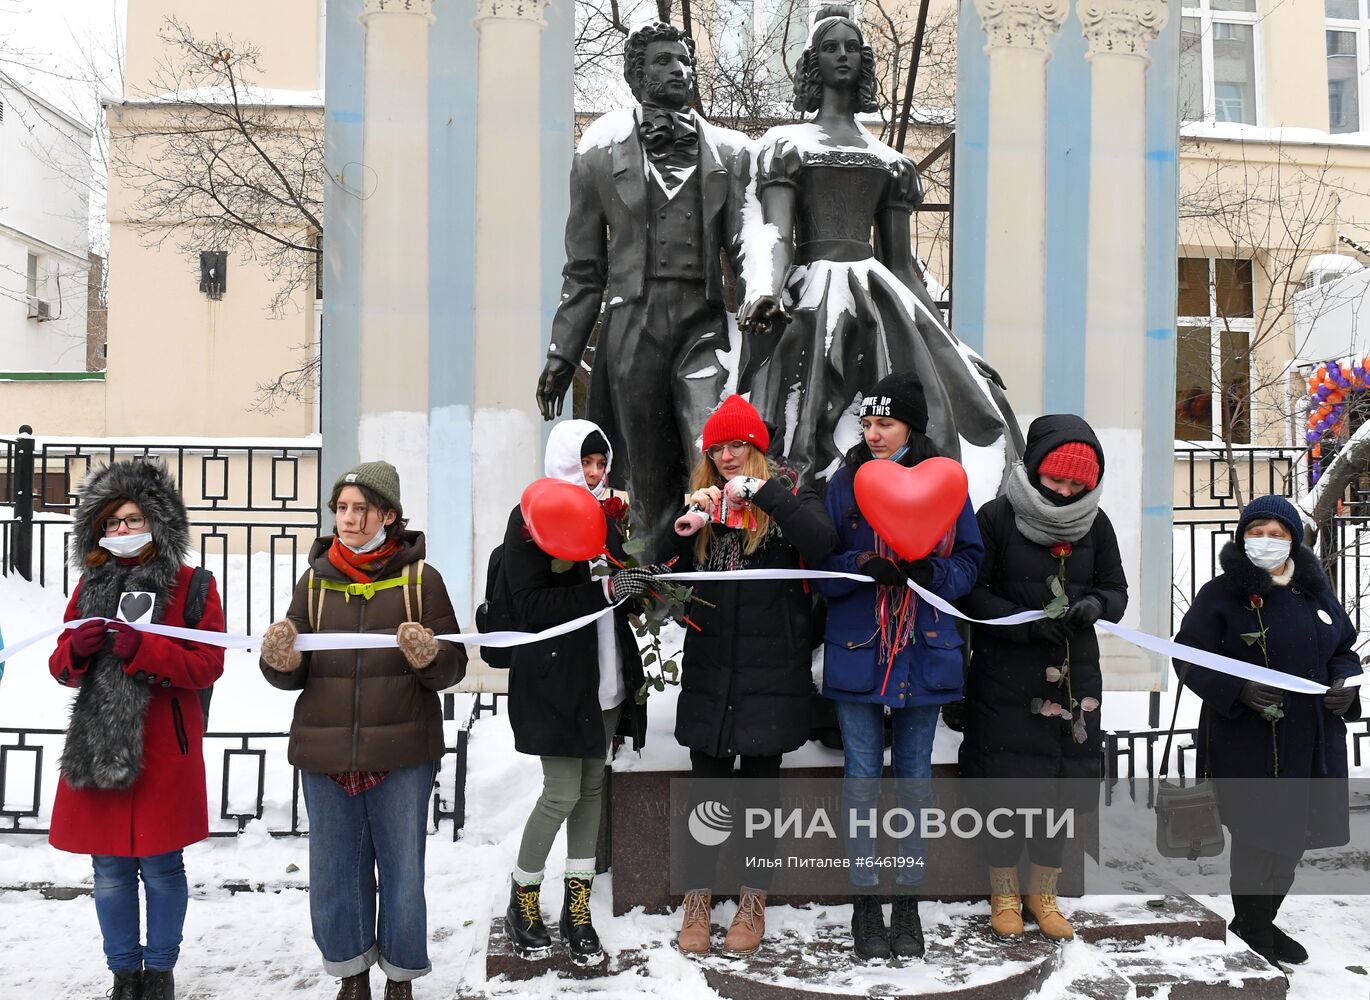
565,521
911,509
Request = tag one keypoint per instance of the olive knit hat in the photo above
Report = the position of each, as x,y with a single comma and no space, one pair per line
381,478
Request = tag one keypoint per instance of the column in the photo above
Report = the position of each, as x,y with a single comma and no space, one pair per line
1020,34
393,418
1118,33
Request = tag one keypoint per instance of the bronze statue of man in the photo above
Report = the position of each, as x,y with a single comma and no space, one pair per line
656,193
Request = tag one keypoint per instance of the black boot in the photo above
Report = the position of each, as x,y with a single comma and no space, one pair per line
127,985
523,920
1251,922
576,929
159,985
869,939
1286,948
906,929
356,987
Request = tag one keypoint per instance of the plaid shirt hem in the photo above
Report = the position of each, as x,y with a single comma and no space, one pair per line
356,782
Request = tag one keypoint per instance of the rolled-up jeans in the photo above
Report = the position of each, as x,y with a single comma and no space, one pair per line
116,908
359,844
863,762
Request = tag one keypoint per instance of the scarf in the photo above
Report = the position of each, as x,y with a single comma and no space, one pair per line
360,568
1043,522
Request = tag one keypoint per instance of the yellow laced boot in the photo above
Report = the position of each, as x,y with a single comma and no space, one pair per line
1005,903
1041,904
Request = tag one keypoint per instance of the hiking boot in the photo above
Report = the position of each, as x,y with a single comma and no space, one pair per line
694,927
749,923
906,929
396,990
869,939
356,987
158,984
575,927
1041,906
1005,903
1286,948
127,985
523,920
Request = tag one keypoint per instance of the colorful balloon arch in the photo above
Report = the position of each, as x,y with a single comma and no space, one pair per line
1329,390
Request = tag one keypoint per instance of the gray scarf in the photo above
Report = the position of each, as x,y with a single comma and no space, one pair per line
1043,522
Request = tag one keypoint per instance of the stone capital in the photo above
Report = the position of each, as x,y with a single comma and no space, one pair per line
423,8
1021,23
511,10
1121,27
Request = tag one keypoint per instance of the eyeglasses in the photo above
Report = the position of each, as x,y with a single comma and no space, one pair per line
135,522
734,449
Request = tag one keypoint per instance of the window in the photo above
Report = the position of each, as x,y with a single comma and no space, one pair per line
31,276
1346,63
1218,61
1216,321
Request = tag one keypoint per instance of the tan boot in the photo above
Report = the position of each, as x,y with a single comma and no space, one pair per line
749,923
1005,903
1041,904
694,929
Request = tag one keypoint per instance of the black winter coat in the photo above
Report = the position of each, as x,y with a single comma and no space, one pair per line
1003,739
747,678
554,684
1308,634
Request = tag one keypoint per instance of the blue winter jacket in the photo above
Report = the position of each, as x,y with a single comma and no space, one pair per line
928,671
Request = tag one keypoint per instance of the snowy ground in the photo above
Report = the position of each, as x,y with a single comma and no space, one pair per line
257,944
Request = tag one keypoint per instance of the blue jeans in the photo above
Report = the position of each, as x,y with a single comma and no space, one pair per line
353,839
863,762
116,908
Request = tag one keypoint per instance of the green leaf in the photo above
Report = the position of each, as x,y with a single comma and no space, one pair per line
562,565
635,547
1035,706
1251,638
1273,712
1057,607
595,571
642,692
1055,584
467,923
649,659
658,683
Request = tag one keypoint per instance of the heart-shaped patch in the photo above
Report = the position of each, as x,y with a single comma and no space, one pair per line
135,607
911,509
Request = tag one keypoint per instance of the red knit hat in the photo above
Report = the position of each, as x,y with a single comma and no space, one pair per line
736,420
1072,460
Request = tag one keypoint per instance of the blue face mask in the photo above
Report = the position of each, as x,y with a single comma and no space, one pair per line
899,454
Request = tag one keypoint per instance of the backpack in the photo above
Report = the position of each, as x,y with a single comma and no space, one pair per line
496,613
197,593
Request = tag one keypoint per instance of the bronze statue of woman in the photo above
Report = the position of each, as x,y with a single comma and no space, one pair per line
852,309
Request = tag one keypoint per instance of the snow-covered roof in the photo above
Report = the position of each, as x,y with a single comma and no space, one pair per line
1283,136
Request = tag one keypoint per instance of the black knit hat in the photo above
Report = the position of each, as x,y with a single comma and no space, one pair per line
1272,508
594,444
898,395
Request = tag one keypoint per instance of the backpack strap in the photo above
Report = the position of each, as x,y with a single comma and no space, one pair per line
197,595
315,616
418,590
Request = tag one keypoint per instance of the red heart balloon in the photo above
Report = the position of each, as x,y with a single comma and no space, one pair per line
565,521
911,509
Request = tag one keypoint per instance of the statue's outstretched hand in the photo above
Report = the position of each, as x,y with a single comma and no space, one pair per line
552,386
763,315
987,370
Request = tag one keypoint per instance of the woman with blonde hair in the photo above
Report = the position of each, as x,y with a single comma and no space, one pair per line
746,681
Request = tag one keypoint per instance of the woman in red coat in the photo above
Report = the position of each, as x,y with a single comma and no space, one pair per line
132,788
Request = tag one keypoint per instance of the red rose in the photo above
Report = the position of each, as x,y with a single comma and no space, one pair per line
614,508
1060,550
1256,601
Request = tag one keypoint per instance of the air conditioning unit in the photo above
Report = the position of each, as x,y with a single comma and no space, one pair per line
39,309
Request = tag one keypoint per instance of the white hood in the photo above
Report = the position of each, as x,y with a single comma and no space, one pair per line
562,460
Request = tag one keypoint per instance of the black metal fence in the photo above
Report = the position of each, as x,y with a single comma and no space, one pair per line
254,511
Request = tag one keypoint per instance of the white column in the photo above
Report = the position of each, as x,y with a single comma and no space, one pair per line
393,421
1118,33
1020,34
506,426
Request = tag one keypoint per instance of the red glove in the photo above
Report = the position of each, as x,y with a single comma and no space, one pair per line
87,638
128,640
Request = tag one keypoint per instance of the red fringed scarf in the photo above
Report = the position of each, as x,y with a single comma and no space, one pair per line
896,608
361,568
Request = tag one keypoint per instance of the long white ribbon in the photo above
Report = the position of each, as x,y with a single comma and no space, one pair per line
371,640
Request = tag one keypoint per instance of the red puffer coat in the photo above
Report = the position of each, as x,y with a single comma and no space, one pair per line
166,808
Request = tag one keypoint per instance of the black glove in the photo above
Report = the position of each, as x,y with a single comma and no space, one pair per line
1339,699
918,570
632,582
1082,615
1050,630
882,571
1258,697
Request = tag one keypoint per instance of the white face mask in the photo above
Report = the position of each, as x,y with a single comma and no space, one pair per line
1267,553
126,546
377,540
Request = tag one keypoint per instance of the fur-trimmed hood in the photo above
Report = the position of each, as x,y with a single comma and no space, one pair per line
1245,578
148,483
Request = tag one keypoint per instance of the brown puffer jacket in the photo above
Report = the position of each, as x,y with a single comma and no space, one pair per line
367,709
